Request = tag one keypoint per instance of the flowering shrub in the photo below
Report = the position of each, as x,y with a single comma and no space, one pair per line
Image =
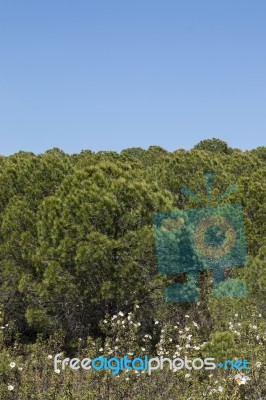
27,371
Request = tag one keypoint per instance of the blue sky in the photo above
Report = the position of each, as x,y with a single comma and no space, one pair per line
108,75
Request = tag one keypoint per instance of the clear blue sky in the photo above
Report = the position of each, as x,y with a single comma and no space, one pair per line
113,74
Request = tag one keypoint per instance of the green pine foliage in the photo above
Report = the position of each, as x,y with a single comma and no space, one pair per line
79,272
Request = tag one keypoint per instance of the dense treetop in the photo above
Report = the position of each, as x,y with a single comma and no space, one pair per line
76,237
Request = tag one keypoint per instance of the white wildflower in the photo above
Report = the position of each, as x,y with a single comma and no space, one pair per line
241,379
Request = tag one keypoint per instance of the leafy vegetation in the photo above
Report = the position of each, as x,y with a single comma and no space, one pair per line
79,273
